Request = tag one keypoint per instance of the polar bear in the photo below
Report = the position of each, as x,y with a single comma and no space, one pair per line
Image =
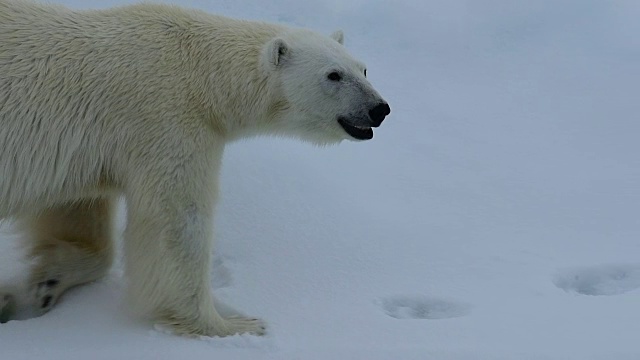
140,101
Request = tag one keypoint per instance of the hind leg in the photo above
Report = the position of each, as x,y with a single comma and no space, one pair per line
71,245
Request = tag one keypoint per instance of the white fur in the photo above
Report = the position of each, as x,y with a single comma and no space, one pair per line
141,100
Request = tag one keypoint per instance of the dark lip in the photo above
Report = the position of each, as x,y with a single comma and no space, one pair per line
356,132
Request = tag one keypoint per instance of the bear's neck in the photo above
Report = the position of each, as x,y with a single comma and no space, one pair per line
239,98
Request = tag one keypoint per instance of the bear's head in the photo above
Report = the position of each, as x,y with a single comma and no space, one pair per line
328,96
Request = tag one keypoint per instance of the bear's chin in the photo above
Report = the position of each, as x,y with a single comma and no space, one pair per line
356,132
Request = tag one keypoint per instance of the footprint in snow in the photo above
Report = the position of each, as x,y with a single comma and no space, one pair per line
599,280
422,307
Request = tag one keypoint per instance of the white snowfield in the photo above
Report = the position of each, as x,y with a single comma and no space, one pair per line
495,215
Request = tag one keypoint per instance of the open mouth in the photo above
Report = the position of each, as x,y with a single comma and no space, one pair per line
357,132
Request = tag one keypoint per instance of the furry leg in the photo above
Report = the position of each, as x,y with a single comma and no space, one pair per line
168,252
71,245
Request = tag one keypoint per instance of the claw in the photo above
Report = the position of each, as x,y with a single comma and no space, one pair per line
7,308
46,301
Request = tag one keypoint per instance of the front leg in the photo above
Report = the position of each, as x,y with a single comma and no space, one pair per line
168,244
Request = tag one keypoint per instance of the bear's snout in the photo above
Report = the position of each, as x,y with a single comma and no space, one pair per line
378,113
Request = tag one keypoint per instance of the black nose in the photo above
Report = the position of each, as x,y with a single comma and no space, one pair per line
378,113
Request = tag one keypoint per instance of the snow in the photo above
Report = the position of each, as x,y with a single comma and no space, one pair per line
493,216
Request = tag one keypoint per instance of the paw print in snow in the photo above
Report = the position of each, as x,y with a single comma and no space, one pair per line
422,307
599,280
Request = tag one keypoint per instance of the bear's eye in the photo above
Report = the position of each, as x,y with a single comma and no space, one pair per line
334,76
365,72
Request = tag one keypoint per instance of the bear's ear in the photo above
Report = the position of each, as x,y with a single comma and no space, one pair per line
338,36
276,51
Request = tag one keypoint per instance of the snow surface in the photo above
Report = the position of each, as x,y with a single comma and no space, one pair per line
494,215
